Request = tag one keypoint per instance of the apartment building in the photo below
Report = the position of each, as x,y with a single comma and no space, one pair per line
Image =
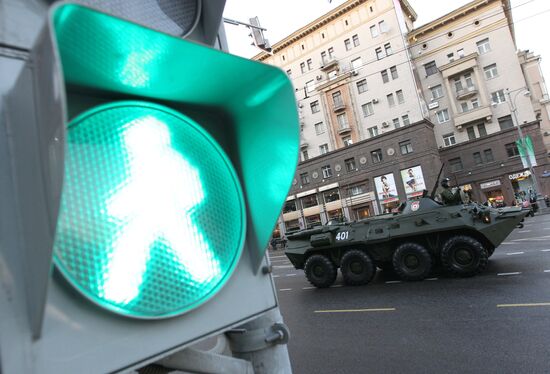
478,87
382,105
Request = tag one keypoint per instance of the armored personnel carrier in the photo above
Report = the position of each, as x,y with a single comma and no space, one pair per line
460,237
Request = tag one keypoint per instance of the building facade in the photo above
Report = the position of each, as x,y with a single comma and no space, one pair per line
383,105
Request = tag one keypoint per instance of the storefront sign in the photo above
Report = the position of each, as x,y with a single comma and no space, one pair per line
521,175
490,184
413,181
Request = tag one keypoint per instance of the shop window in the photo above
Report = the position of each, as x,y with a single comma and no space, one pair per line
293,225
362,213
313,221
331,195
290,206
309,201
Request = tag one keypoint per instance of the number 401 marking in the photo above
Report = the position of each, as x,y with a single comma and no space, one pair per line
342,235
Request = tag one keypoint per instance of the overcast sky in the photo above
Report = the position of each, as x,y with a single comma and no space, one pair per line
282,17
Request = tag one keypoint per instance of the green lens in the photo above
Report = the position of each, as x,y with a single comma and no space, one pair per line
152,219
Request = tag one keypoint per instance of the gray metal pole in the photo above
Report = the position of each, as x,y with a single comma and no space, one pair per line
514,109
262,341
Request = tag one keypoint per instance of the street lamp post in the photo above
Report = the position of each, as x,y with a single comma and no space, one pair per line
513,109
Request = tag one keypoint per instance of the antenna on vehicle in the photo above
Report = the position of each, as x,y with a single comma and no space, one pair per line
432,195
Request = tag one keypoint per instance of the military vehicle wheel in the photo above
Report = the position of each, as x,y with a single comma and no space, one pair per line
464,256
357,268
412,262
320,271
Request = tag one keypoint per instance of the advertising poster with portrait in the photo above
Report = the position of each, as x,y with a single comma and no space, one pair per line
386,189
413,181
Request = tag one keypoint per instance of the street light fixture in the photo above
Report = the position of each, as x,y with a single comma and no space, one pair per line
513,109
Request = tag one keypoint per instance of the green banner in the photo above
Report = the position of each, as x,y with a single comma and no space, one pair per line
526,151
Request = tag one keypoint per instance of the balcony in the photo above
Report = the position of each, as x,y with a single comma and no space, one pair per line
344,129
479,114
329,63
339,106
466,92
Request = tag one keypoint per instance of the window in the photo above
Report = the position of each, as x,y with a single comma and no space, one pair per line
289,73
303,67
488,153
483,46
498,97
373,131
309,64
460,53
481,129
458,84
431,68
385,77
309,201
290,206
400,96
464,106
356,64
330,52
368,109
387,48
376,156
406,147
451,57
449,139
347,44
405,119
323,148
505,122
471,133
347,141
355,39
443,116
331,195
383,26
511,149
332,74
315,106
391,100
393,71
475,103
362,86
342,121
357,189
350,164
324,56
319,128
304,178
437,92
337,99
477,158
373,31
292,225
469,80
379,53
490,71
305,155
396,123
327,171
312,221
456,164
310,86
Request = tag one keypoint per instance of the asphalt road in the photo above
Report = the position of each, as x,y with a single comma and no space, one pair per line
496,322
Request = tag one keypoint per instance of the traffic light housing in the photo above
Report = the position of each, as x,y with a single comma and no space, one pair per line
107,122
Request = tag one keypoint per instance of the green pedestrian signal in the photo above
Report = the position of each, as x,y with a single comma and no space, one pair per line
152,217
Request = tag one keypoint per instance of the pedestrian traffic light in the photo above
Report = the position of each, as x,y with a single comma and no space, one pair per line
150,171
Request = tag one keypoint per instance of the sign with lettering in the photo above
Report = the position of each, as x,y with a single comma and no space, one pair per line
490,184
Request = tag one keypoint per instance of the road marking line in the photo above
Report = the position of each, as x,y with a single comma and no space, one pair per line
282,266
514,253
432,279
336,285
522,231
308,288
290,275
389,282
513,273
356,310
285,289
521,305
277,256
276,276
545,250
547,271
507,243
